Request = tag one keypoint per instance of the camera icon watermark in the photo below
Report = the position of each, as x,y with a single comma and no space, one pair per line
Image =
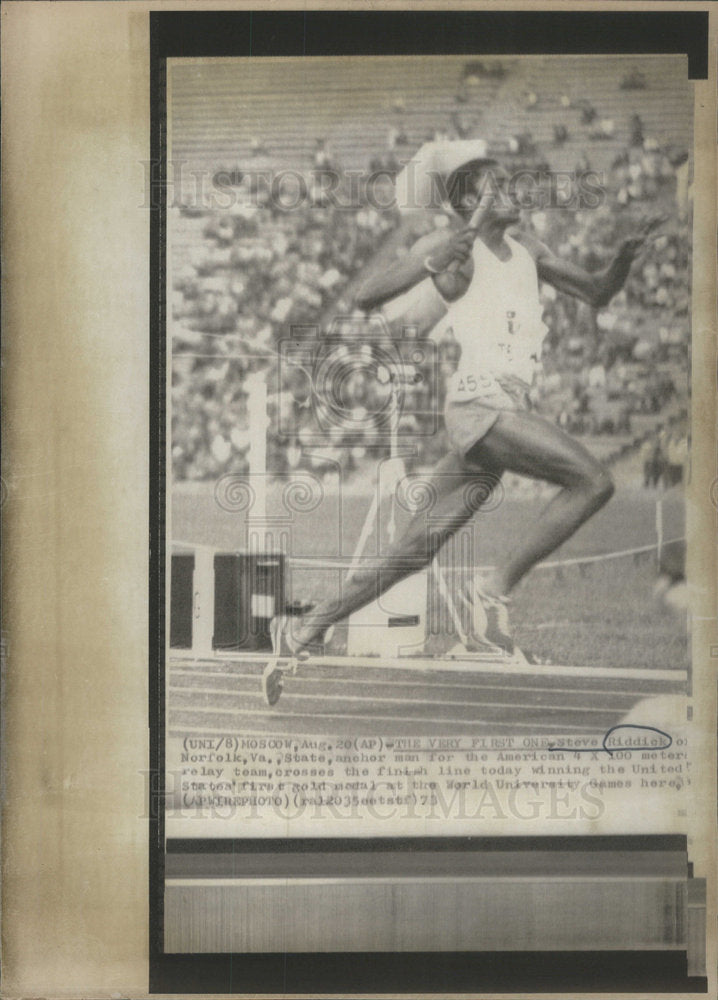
359,384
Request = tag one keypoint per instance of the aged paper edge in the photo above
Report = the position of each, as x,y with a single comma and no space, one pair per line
76,129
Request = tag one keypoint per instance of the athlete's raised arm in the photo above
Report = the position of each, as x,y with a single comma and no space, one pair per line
430,255
596,288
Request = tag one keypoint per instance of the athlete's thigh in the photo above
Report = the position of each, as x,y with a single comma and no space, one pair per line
450,474
449,495
529,445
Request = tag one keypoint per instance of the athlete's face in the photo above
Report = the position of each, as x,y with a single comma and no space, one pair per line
493,180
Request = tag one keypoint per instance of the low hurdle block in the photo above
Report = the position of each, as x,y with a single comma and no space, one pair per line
393,625
224,600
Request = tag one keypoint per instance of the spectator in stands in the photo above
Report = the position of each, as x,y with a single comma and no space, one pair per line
636,130
324,167
387,162
257,146
462,124
397,136
676,455
604,130
653,462
588,112
634,80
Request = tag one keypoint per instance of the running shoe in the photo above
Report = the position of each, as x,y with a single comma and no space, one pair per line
287,656
473,647
272,683
283,660
535,660
498,630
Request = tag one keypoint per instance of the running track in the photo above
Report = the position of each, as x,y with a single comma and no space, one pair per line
222,696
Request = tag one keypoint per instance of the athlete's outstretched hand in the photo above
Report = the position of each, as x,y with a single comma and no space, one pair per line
632,246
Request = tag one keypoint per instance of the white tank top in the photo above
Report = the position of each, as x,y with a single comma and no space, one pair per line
498,321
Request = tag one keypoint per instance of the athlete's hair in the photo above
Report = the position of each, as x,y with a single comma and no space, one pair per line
460,182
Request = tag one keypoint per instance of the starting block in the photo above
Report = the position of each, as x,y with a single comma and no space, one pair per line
224,601
395,624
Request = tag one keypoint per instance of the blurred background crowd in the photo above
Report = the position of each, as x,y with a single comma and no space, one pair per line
278,263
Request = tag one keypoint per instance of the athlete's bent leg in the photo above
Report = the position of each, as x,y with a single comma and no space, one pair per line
531,446
424,535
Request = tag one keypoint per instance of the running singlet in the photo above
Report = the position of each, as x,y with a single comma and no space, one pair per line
497,322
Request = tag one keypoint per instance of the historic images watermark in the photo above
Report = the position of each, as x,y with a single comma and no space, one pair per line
402,796
288,189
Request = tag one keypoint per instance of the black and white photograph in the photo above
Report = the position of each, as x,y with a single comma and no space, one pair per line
421,466
359,497
428,423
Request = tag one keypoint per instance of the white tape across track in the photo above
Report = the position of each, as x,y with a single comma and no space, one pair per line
342,562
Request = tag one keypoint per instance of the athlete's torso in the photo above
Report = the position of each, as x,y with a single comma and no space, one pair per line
498,321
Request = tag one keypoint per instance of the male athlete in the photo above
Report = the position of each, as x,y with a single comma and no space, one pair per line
487,274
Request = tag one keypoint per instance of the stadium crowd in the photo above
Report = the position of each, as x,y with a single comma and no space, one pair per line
265,266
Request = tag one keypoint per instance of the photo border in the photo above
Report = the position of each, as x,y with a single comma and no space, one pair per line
316,33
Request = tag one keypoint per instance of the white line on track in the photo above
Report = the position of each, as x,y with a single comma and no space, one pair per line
438,666
368,699
374,563
195,672
383,720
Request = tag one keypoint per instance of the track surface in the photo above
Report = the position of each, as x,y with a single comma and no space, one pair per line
224,696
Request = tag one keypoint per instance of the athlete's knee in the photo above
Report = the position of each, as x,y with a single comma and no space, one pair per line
597,483
604,486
